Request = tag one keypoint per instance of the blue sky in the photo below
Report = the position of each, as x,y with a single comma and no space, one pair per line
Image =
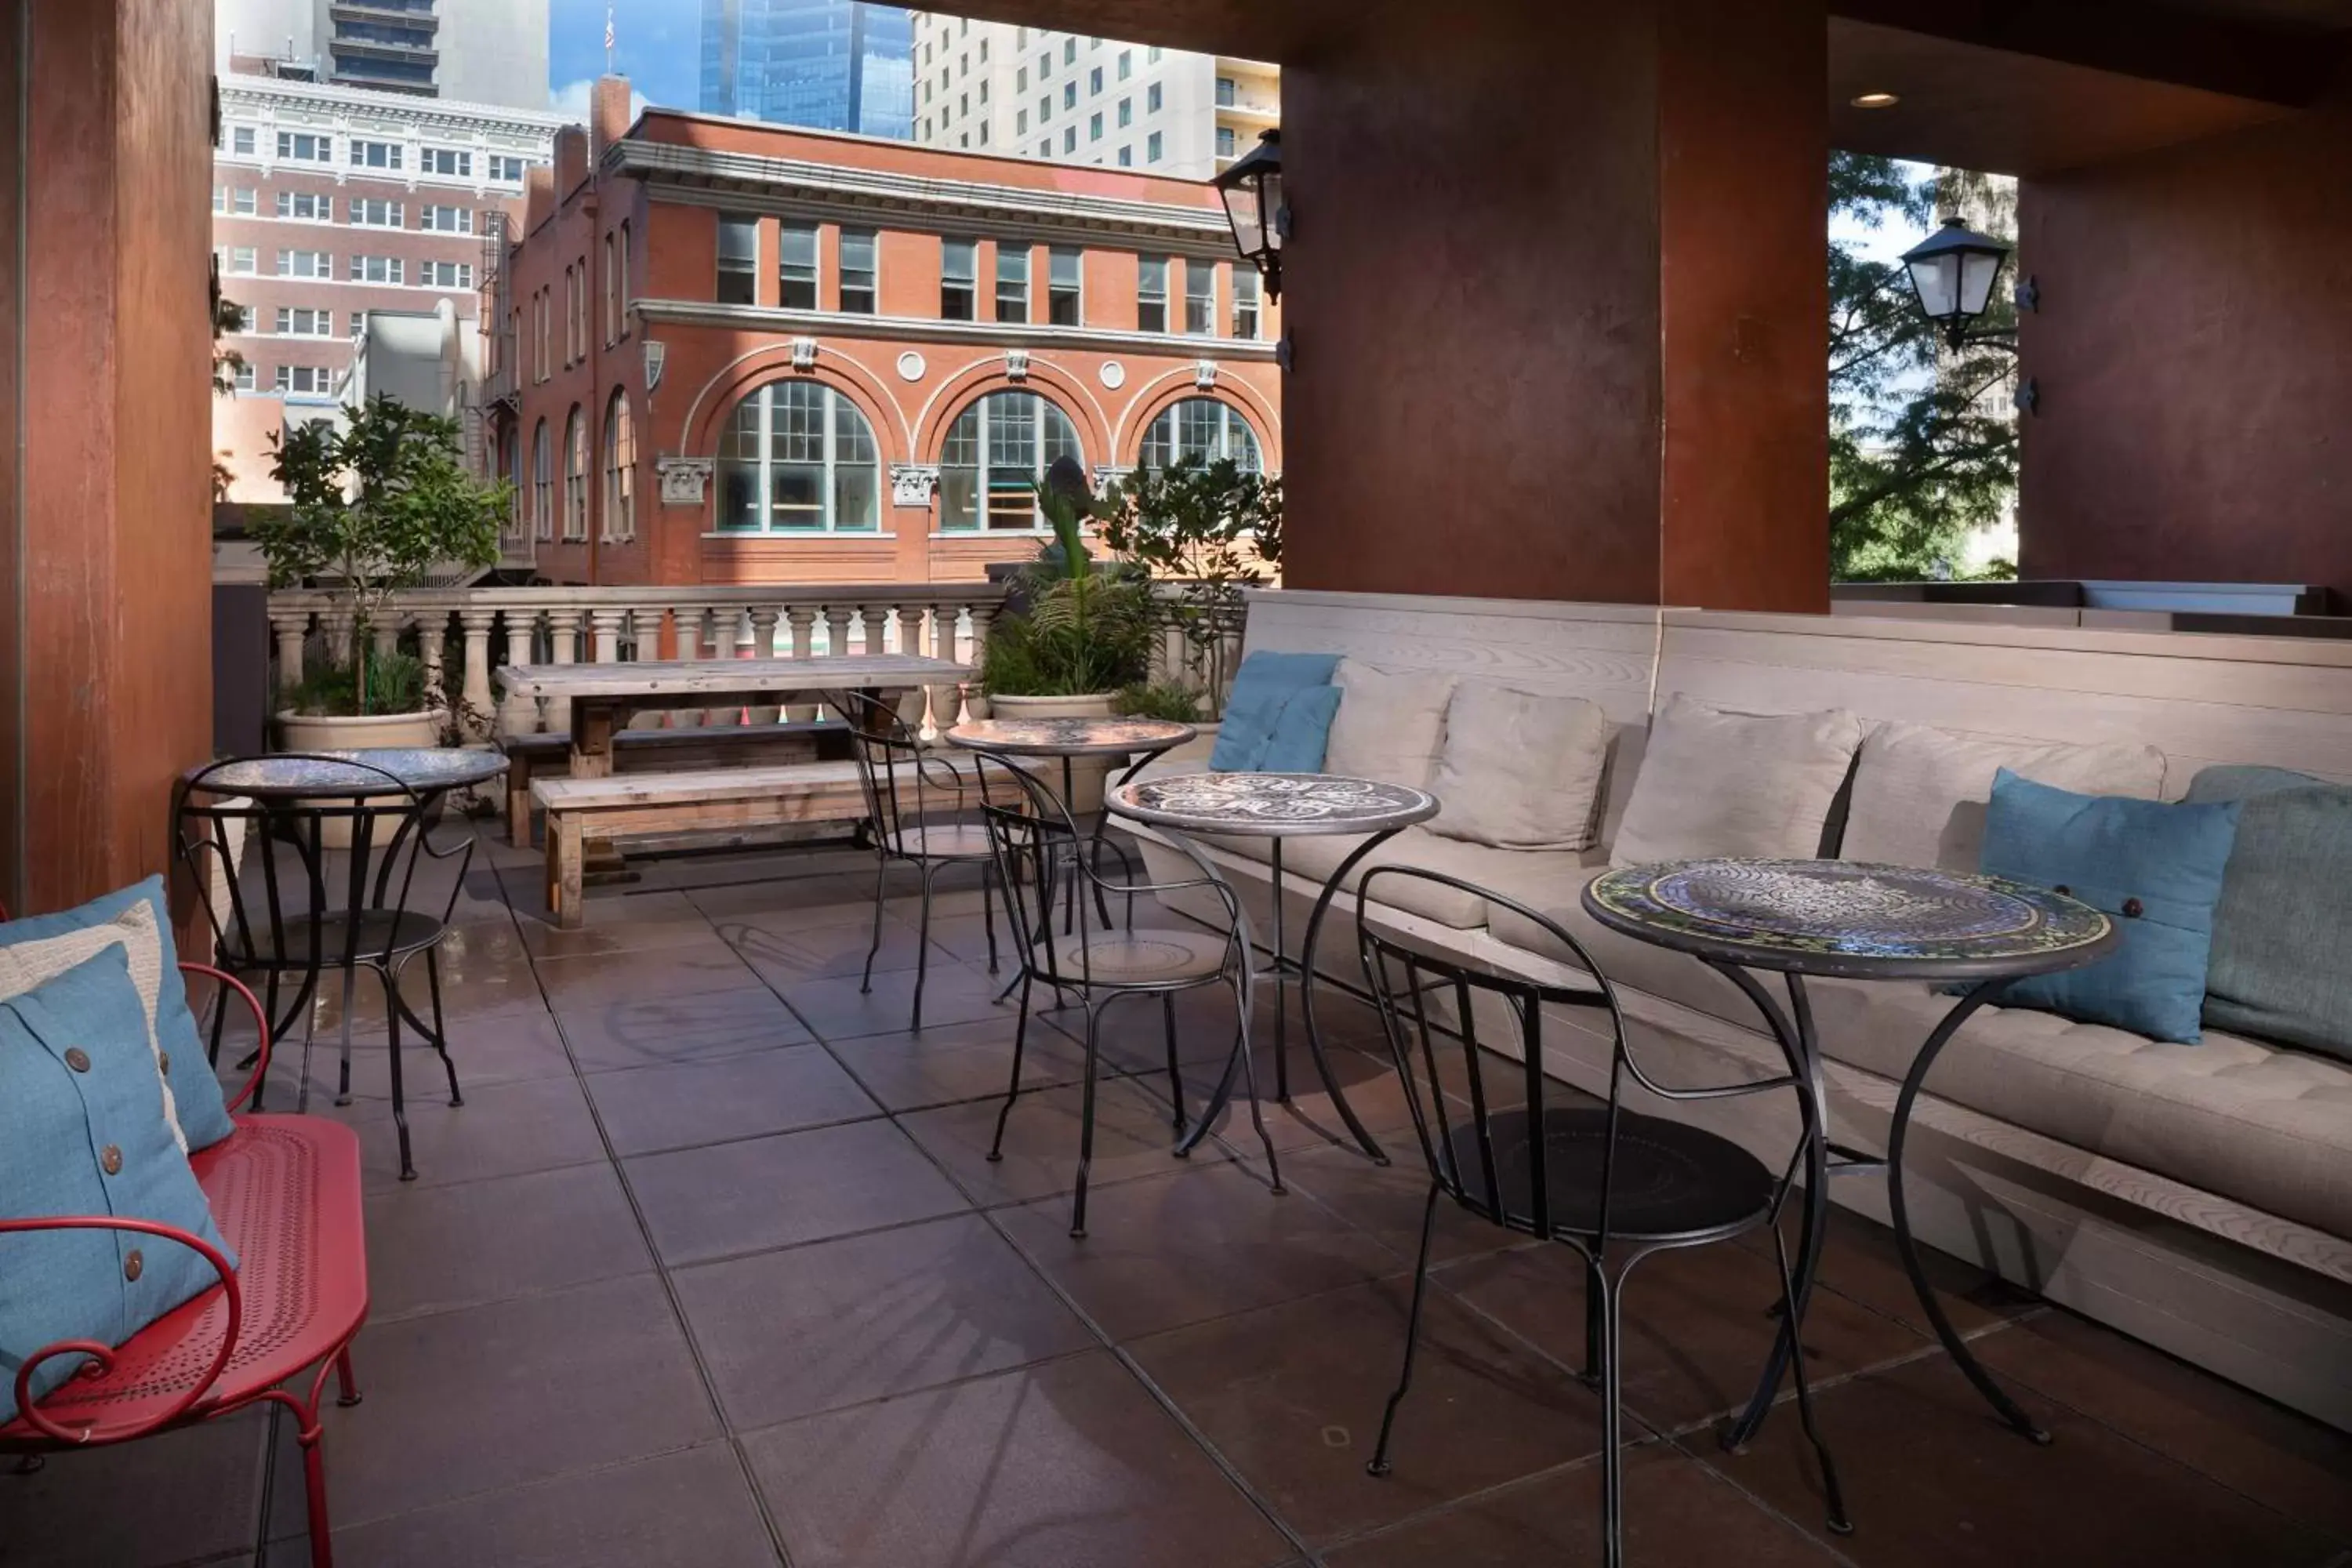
657,45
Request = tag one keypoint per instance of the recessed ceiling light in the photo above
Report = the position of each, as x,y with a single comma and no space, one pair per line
1877,100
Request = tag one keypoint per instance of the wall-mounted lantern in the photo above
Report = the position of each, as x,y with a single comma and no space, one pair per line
1952,273
1252,188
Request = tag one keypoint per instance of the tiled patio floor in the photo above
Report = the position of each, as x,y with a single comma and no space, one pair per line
709,1269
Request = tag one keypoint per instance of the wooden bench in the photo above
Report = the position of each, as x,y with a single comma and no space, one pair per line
547,752
638,805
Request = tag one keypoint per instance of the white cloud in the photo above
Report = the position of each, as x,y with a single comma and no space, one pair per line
570,100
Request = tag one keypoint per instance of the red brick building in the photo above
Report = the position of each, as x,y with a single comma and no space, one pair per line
736,353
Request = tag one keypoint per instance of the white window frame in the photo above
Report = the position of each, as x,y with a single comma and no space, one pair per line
789,232
831,401
983,411
429,216
1235,438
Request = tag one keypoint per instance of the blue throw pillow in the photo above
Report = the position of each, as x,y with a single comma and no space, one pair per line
195,1093
1301,731
2280,930
2156,870
1263,688
82,1132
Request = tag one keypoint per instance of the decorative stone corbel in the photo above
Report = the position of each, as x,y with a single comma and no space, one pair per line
1204,373
803,353
912,484
656,356
1016,365
684,480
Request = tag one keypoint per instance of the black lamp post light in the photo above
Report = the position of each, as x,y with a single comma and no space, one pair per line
1952,273
1252,188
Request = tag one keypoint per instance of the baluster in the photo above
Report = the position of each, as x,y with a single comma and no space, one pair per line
563,636
606,627
433,649
873,628
476,698
836,630
803,618
686,624
518,715
290,627
975,705
337,625
764,646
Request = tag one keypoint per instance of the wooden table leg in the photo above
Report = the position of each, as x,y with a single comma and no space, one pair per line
565,850
519,800
592,738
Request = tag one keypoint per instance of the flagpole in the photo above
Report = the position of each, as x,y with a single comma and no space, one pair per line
608,40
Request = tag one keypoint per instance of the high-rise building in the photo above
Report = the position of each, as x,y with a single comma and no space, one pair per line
1030,93
827,65
478,51
331,203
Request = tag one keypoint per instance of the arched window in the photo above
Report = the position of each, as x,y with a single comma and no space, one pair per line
620,469
1202,429
996,451
576,475
543,485
796,457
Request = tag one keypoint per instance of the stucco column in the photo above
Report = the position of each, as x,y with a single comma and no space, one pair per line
477,695
288,627
605,626
563,636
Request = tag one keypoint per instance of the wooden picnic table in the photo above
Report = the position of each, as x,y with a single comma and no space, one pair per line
600,695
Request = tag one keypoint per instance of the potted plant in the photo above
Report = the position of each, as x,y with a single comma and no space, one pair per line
1207,531
374,508
1075,632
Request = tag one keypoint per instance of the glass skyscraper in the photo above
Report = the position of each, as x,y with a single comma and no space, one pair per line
833,65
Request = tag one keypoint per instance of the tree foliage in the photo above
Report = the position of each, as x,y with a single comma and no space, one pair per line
1209,531
1922,446
374,508
1086,629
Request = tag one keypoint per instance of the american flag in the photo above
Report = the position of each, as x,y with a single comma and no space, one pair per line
608,30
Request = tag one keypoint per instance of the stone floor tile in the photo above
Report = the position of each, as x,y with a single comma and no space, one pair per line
574,982
502,1129
837,1010
434,1248
728,1198
1132,1137
953,1062
648,1031
839,1323
681,1104
1055,1466
186,1495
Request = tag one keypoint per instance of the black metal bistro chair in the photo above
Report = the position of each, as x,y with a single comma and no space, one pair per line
918,806
1037,845
299,906
1537,1158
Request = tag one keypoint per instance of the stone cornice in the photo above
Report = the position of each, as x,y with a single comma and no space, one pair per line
928,330
258,92
747,181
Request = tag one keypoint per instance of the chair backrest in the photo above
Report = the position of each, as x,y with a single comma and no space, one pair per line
1037,849
901,779
1447,1022
270,876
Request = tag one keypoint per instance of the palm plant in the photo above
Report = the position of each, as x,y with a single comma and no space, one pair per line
1085,629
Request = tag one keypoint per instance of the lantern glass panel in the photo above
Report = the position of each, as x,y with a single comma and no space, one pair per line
1242,209
1978,270
1937,281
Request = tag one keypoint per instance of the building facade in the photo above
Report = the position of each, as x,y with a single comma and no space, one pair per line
1032,92
827,65
329,203
736,353
476,51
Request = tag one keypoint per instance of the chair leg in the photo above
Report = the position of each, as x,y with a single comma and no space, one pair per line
1613,1419
314,1487
347,1386
343,1074
923,943
1596,1300
881,884
1175,1072
1013,1090
391,1061
1249,1085
1379,1465
1840,1523
988,910
440,1027
1086,1117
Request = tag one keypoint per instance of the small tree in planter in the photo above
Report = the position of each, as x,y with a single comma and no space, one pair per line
375,507
1074,628
1211,530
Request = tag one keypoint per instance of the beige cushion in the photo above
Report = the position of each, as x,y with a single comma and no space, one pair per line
1519,770
1518,873
1719,783
2264,1125
1627,960
1920,794
1390,726
26,964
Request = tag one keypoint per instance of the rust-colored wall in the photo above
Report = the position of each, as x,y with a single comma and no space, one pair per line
1472,297
2194,351
14,27
115,521
1557,305
1742,208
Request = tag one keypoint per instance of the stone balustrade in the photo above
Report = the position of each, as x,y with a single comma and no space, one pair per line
484,627
489,627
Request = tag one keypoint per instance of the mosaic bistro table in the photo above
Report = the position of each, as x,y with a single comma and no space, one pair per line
1275,806
1855,921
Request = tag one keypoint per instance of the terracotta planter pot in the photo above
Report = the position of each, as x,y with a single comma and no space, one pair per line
1086,774
328,732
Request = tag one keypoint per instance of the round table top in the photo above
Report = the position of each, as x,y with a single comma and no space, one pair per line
354,773
1851,919
1071,737
1270,805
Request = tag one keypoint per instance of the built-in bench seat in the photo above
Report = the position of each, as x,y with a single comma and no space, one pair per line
705,800
548,752
2198,1197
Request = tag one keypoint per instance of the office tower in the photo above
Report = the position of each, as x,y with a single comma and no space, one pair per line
827,65
477,51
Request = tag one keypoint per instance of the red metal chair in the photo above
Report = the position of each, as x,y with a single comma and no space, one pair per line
284,1192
